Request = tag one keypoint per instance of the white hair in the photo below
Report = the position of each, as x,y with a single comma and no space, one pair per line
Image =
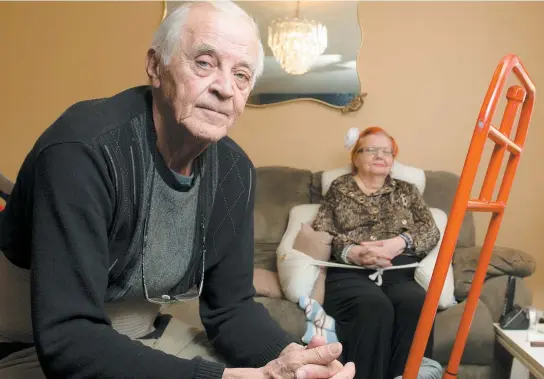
167,38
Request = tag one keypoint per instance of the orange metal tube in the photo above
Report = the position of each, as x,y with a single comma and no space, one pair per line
474,293
515,96
500,139
513,162
484,206
461,201
526,111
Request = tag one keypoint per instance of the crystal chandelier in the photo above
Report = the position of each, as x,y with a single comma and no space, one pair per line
297,43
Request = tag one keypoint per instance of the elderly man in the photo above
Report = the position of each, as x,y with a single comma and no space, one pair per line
137,200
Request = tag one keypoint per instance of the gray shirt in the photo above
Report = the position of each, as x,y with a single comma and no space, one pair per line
170,236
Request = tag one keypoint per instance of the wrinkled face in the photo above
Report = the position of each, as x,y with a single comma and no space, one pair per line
375,155
206,84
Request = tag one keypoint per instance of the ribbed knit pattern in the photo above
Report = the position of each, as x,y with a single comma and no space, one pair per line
132,318
208,370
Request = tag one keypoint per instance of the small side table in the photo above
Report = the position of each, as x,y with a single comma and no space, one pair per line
527,360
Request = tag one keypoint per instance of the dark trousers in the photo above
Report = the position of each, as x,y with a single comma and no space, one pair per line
375,324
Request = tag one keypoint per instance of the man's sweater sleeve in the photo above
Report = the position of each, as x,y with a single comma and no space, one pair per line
72,211
240,329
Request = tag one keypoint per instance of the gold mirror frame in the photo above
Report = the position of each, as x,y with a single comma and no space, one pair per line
354,105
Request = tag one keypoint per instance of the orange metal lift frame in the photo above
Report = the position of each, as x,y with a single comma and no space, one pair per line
516,96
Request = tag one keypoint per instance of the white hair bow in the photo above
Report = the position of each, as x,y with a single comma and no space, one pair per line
351,137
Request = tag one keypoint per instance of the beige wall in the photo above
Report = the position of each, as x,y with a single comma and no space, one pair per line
57,53
426,67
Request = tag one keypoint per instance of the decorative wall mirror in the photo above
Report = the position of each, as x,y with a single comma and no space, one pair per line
328,74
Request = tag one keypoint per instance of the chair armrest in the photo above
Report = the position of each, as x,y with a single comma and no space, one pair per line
504,261
494,293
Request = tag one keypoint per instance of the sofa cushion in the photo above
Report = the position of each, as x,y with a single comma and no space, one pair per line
316,196
265,256
440,190
288,315
278,190
481,339
478,372
267,283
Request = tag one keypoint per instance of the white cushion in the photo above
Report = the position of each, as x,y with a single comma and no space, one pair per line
297,274
409,174
330,176
425,271
399,171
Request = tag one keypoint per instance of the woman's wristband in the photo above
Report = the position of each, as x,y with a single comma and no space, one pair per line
408,239
344,254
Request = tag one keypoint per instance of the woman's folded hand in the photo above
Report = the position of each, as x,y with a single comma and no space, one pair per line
368,255
386,249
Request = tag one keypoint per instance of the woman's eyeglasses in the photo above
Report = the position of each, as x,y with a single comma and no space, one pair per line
373,150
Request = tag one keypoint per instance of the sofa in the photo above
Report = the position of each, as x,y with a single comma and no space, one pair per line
279,189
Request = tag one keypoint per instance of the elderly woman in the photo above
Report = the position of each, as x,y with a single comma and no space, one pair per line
376,221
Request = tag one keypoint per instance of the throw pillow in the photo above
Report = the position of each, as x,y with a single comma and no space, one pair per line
399,171
267,283
296,272
318,246
424,272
